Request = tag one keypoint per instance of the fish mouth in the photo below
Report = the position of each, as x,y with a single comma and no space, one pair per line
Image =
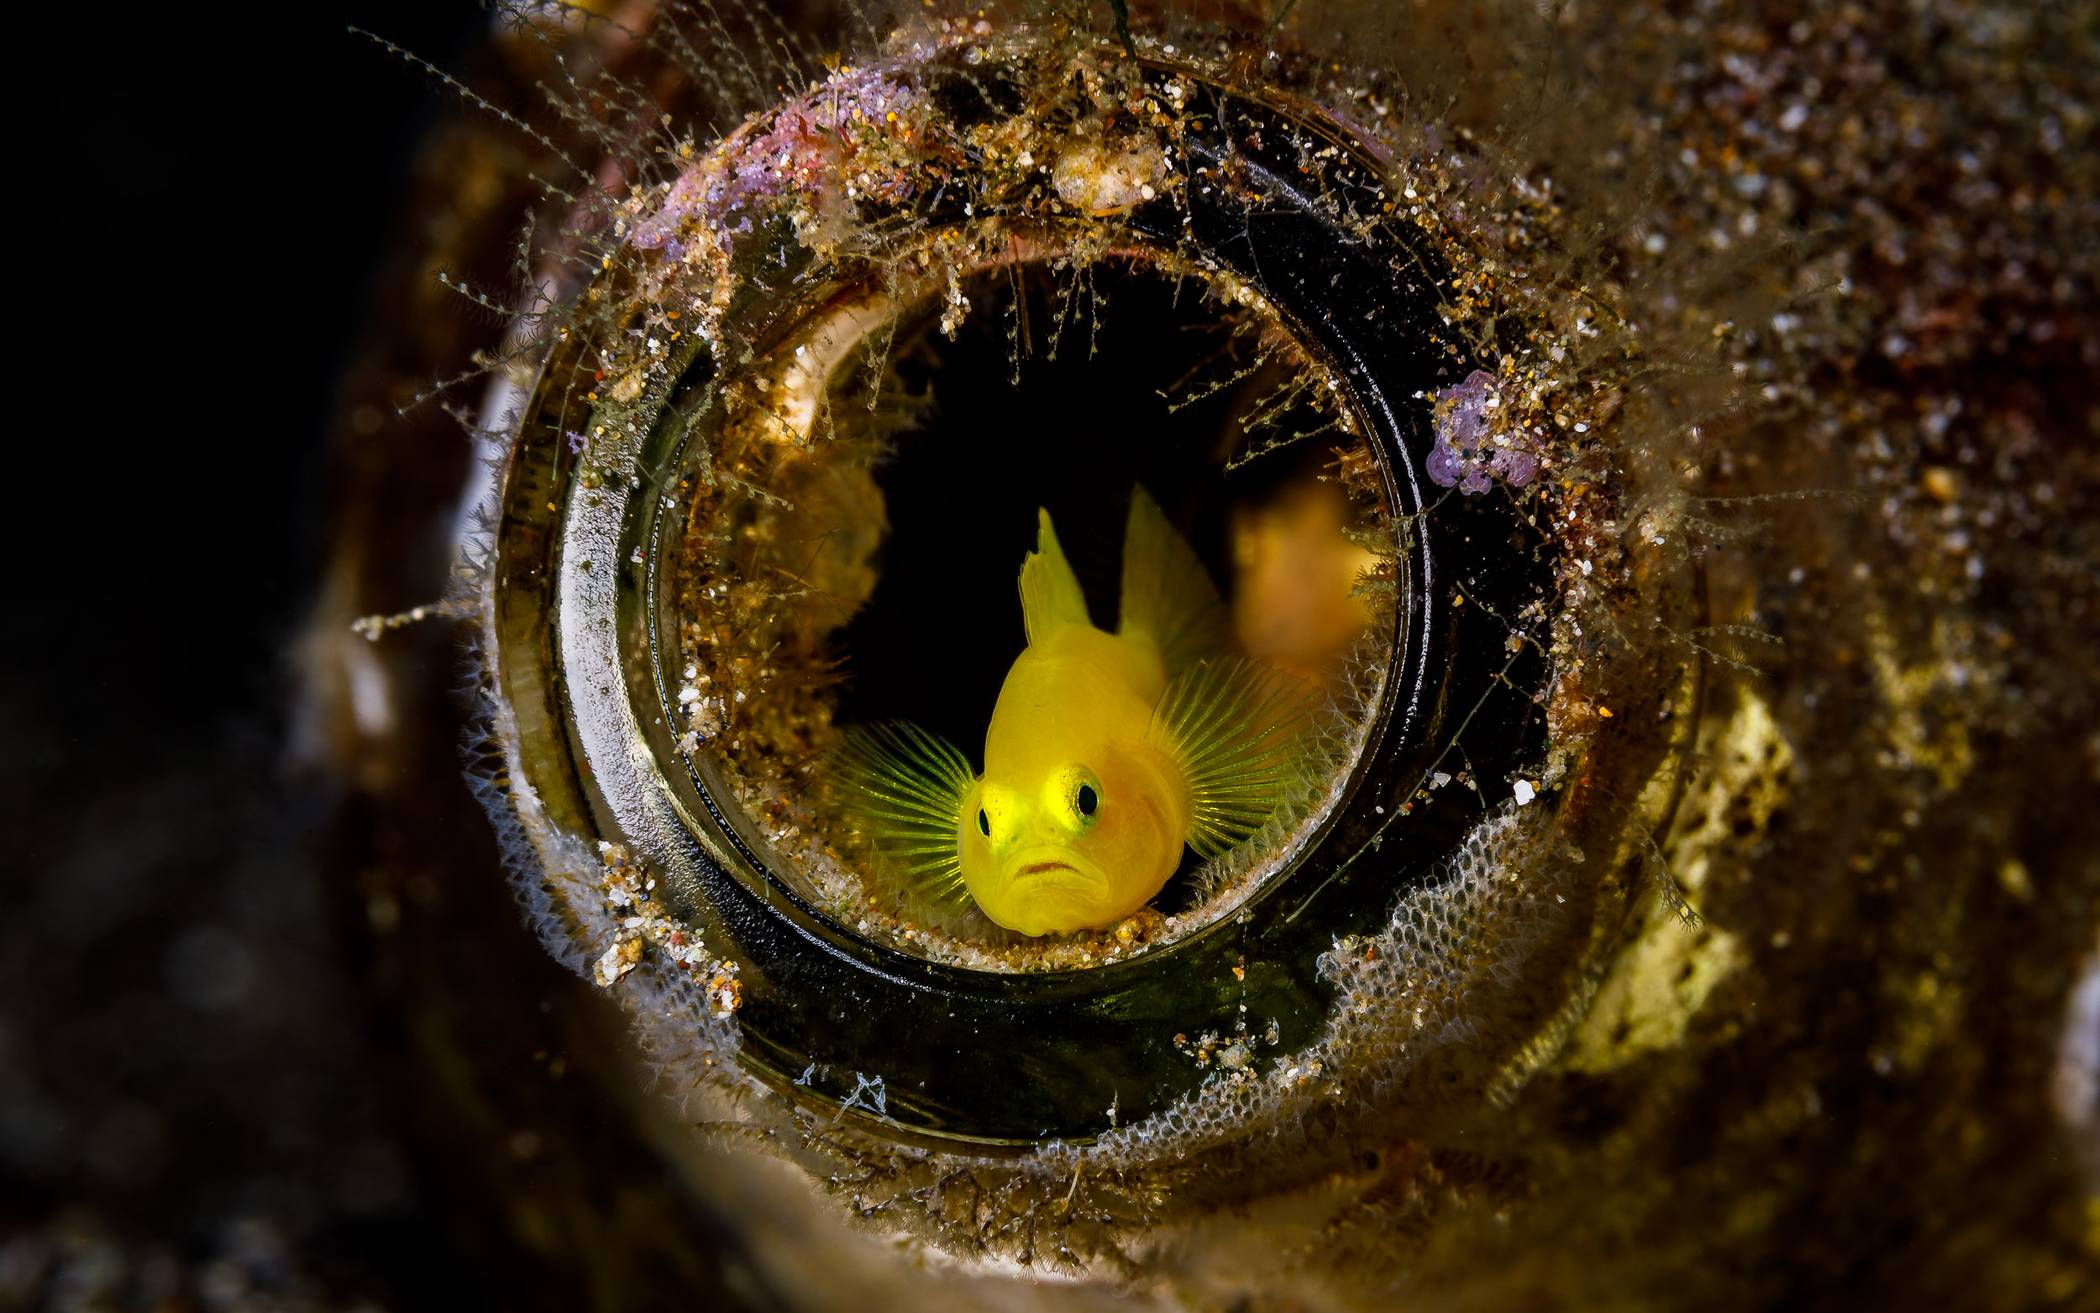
1046,888
1051,867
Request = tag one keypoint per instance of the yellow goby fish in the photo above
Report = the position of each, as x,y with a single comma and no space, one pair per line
1106,755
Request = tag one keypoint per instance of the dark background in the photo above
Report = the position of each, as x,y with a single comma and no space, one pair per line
194,1092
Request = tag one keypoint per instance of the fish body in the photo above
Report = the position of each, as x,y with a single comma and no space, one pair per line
1079,817
1106,754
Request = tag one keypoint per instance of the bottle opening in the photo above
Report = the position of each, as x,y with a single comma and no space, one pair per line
845,574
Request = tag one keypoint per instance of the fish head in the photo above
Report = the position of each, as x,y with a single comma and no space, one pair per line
1071,841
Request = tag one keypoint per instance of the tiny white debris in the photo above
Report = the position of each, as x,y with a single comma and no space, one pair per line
617,961
1525,791
1101,178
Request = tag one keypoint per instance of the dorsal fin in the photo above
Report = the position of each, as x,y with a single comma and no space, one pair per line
1236,729
1167,595
1050,596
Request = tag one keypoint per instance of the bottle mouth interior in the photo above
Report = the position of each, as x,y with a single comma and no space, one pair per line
855,508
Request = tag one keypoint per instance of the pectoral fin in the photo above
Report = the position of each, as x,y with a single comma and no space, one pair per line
1236,729
902,789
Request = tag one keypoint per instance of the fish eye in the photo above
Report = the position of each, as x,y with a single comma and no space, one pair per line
1476,431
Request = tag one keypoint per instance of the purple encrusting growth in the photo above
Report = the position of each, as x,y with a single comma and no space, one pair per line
854,138
1468,454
